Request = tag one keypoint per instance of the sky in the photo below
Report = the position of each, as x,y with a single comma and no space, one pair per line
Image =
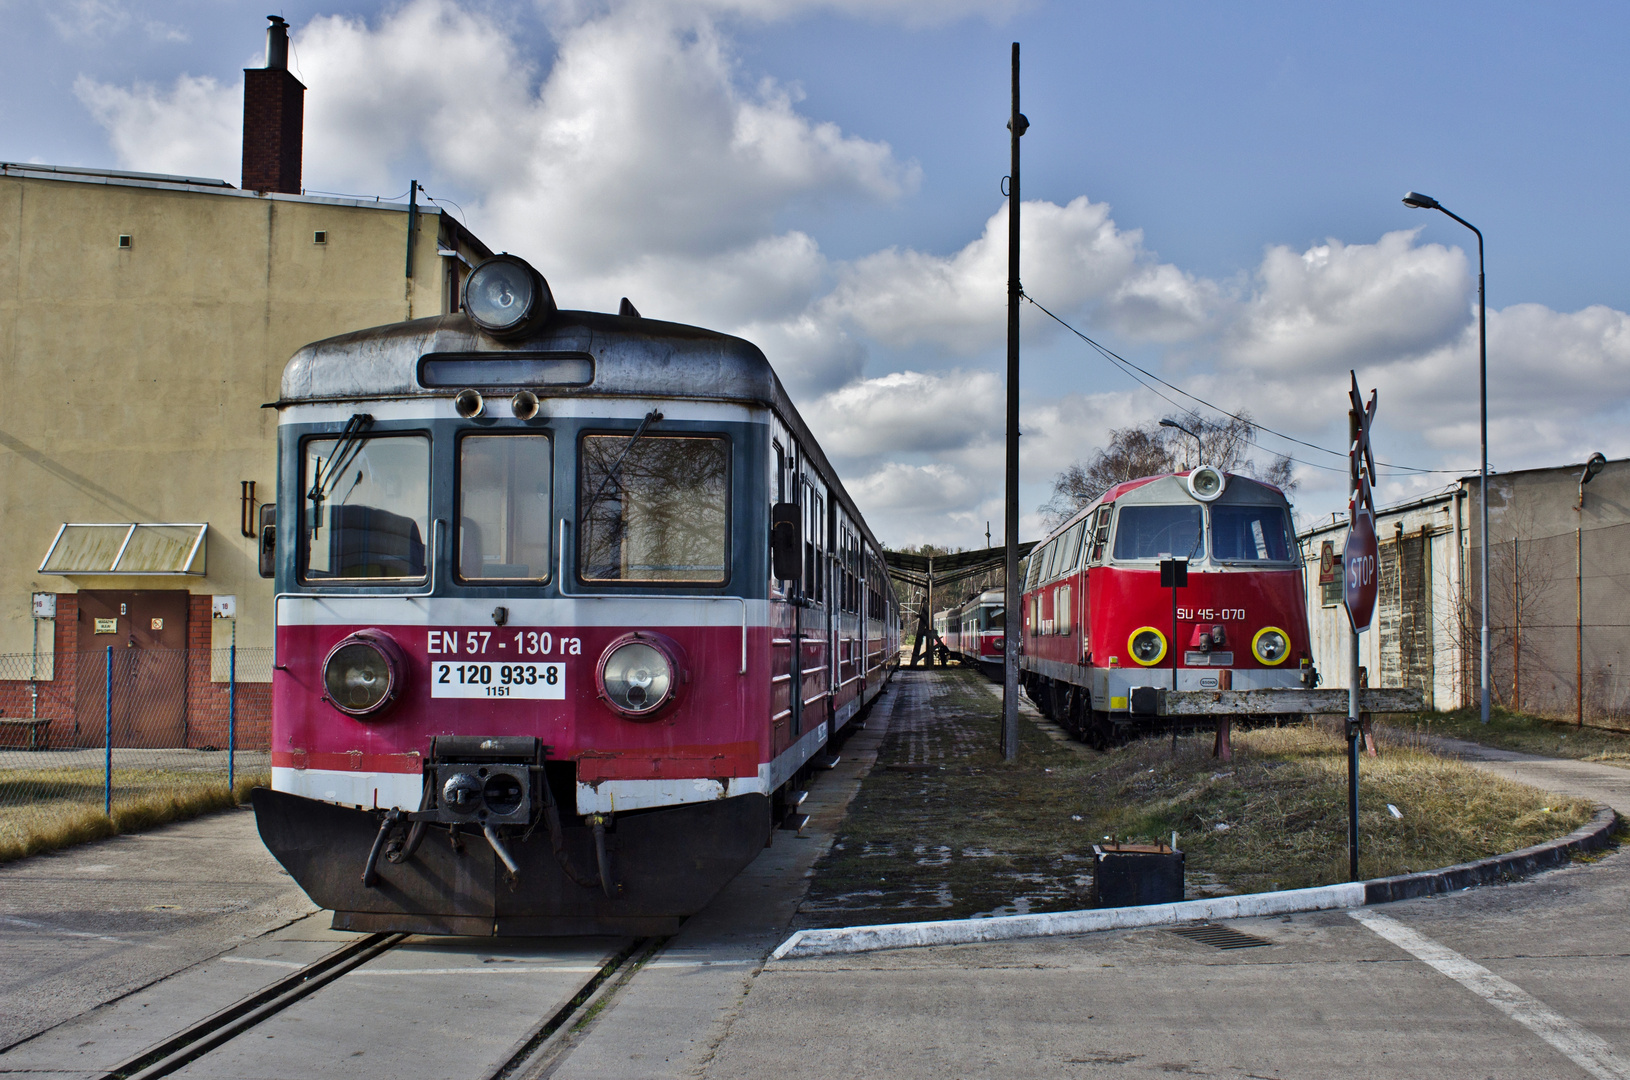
1211,191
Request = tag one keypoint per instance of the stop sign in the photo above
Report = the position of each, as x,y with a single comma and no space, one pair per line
1358,559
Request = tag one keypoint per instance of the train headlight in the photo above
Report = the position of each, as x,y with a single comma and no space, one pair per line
1147,646
364,673
639,674
503,296
1271,645
1206,483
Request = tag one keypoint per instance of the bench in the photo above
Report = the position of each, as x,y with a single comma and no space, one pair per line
38,729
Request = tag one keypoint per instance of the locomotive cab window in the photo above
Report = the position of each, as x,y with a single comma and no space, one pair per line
365,511
655,509
1250,534
1148,532
504,497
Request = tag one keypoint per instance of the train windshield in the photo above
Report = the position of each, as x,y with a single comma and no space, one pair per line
1149,532
504,495
366,509
659,509
1250,534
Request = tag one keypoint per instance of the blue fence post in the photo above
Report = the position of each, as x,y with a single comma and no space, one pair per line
107,737
231,713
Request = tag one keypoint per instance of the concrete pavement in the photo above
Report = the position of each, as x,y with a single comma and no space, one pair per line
1327,996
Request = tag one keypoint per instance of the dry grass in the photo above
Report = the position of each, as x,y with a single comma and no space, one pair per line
58,823
943,828
1526,733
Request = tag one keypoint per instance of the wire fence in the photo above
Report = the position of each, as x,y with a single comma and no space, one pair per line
120,730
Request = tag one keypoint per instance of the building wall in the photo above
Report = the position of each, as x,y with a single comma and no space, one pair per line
1559,581
132,379
1413,639
1536,591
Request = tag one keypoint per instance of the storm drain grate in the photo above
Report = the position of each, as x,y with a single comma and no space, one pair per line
1219,937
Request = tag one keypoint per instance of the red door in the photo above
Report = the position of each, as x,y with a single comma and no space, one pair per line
147,631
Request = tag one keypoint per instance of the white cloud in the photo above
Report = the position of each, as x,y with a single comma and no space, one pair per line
194,128
1072,256
909,412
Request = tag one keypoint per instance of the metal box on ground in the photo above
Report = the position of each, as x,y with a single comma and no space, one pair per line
1126,875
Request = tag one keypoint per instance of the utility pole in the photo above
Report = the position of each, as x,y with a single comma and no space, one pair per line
1012,618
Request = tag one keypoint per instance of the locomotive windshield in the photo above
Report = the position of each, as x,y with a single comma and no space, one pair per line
504,490
367,507
1249,534
659,509
1148,532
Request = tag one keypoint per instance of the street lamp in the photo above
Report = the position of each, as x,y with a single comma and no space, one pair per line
1199,447
1426,202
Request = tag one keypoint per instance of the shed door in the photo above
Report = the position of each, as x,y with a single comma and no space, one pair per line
147,631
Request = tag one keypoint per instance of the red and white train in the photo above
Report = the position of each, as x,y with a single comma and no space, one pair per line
974,631
1102,635
566,603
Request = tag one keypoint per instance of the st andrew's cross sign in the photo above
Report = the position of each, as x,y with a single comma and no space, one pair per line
1362,551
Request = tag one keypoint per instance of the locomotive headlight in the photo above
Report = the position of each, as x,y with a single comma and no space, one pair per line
1206,483
1147,646
363,674
1271,645
503,295
639,674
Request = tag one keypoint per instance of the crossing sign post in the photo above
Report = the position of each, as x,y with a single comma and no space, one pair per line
1358,584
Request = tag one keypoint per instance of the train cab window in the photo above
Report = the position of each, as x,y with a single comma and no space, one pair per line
1072,548
655,510
1148,532
1250,534
504,497
366,507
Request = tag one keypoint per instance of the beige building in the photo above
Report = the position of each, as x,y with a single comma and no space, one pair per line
1559,590
144,324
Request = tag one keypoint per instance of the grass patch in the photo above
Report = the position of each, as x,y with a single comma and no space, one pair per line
64,815
1523,732
943,828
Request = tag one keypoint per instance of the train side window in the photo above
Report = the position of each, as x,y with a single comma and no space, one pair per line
365,512
1072,547
660,508
1100,534
504,497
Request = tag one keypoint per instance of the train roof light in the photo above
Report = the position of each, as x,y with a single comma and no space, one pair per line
1206,483
504,296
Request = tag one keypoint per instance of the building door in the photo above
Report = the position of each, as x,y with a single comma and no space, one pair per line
147,631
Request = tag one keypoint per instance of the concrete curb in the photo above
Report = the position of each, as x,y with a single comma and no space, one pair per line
1509,867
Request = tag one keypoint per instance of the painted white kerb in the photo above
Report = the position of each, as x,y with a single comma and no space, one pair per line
1006,927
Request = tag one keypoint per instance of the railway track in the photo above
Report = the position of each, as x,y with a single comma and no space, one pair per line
528,1056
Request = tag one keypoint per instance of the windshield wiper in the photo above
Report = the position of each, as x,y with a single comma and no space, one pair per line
345,451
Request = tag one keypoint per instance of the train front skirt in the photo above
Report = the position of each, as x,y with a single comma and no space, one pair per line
663,866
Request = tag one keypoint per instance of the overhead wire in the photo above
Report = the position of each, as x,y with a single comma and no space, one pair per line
1134,370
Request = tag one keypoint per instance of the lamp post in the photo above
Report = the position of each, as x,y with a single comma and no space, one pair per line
1426,202
1199,447
1596,464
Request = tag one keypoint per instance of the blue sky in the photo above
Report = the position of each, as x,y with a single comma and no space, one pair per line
1212,190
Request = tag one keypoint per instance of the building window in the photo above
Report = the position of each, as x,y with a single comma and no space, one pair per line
1331,593
124,241
320,236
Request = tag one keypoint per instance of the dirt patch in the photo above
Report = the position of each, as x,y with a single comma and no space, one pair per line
942,828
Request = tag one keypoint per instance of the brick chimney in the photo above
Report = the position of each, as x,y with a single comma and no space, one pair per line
274,103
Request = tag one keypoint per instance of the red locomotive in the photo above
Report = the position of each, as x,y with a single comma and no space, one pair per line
566,603
1102,635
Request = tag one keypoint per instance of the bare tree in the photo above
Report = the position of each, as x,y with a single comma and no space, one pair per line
1149,450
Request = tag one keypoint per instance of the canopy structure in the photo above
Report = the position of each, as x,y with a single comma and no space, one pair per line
929,572
128,548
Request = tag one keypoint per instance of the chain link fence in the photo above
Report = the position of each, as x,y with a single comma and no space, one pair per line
116,736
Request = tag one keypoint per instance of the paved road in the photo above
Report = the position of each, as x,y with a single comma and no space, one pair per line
1525,980
93,923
